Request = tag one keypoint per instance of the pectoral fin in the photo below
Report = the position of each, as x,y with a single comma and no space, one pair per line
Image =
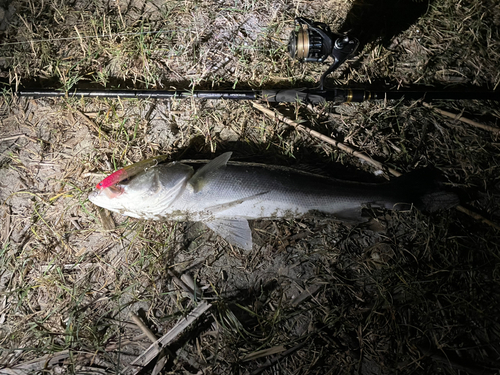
235,231
200,177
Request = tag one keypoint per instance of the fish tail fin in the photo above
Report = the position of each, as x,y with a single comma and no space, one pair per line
425,190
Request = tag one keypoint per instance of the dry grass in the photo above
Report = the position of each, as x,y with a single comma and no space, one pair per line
418,295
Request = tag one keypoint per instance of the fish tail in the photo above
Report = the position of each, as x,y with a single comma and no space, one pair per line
425,190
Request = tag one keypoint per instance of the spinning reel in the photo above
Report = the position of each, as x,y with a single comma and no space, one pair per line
314,42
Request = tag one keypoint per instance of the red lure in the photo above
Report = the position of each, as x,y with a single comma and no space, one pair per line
122,174
112,179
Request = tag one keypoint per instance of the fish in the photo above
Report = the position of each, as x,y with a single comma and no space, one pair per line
225,195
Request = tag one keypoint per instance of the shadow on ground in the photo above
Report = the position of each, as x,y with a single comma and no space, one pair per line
381,20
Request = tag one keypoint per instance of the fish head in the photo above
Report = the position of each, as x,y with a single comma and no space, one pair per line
145,193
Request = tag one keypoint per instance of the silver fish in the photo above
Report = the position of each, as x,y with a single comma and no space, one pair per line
225,196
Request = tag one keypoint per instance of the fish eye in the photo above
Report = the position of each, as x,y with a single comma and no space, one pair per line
100,183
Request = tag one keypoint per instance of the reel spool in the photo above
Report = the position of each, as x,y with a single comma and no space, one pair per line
314,42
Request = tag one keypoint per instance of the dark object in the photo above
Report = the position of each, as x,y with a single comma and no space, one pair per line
314,42
305,95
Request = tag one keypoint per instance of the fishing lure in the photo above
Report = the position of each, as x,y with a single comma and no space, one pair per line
110,184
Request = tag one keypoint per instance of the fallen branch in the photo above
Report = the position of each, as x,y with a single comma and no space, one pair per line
459,117
477,217
155,348
162,360
325,138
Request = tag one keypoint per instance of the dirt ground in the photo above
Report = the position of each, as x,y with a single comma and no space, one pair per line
410,293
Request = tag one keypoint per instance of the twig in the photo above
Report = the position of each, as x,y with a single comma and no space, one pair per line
325,138
263,353
360,155
463,119
74,221
187,284
306,294
92,174
81,41
181,284
155,348
478,217
106,219
21,136
47,361
91,123
162,360
122,344
151,336
3,309
5,216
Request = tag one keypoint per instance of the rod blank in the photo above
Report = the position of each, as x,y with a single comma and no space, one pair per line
314,96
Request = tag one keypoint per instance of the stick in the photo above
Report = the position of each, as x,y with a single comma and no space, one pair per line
151,336
478,217
326,139
91,123
21,136
162,360
463,119
155,348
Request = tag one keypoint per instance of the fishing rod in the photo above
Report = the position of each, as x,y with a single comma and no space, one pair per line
304,95
309,42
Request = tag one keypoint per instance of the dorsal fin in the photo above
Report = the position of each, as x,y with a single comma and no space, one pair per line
200,177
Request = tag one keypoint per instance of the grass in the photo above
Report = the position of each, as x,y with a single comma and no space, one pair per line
418,295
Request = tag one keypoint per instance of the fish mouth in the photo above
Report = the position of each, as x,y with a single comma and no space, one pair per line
94,195
104,196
